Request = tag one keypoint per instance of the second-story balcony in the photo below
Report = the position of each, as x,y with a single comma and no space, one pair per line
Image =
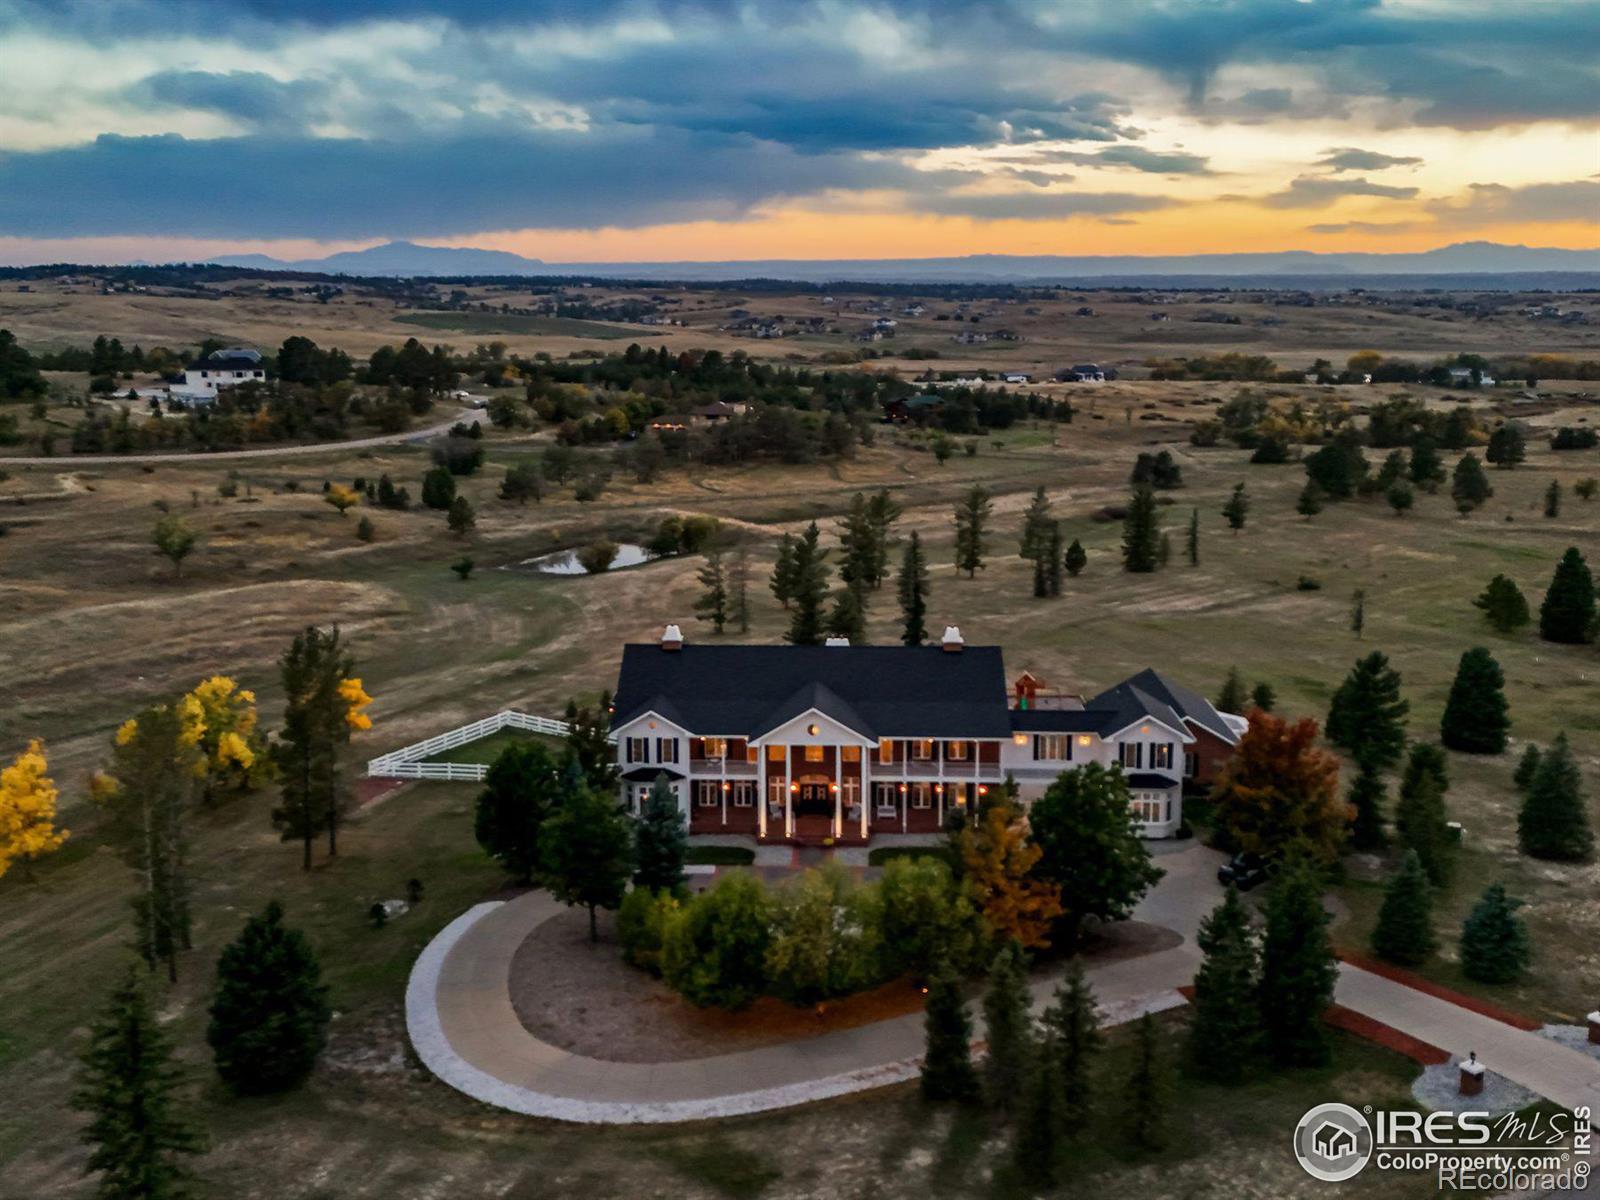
732,768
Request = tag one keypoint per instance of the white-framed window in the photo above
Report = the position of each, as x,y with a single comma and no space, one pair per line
922,795
814,754
716,747
1132,755
850,754
667,750
638,749
775,793
957,751
1161,755
922,749
1191,766
850,791
885,750
885,799
641,796
707,793
1052,746
1151,807
744,793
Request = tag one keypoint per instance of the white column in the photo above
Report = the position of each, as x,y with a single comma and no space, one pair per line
866,792
838,792
762,792
788,794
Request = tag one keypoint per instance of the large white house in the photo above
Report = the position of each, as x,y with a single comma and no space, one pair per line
849,743
205,377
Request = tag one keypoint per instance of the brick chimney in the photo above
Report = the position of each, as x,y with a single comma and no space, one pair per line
672,638
952,641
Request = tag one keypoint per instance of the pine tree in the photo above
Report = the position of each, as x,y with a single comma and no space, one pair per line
1231,699
1527,768
972,515
461,518
1223,1030
1568,612
1469,484
1140,534
810,589
947,1072
1263,697
1554,820
1075,559
317,720
1401,498
1476,714
1404,932
1191,546
1052,573
1506,446
1036,525
1145,1102
913,585
1427,468
848,618
1420,820
1075,1032
1007,1028
858,545
783,577
1366,798
1367,716
882,512
521,788
1494,942
661,842
1503,605
1041,1126
739,589
1041,577
138,1133
269,1015
1298,968
1311,500
1237,509
712,604
1358,611
1552,499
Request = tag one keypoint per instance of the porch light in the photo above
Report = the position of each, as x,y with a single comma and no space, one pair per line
833,787
794,787
1084,739
1144,729
726,786
983,790
1020,739
902,787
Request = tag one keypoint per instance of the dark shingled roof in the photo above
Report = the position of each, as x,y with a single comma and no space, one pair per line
1061,720
878,691
1149,780
648,774
1174,697
235,363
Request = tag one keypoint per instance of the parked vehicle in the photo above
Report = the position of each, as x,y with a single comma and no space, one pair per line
1244,871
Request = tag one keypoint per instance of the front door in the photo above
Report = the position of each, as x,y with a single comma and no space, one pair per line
814,801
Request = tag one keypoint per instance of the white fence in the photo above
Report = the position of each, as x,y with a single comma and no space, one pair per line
406,763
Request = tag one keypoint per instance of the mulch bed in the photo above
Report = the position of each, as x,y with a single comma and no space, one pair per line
583,997
1411,979
1371,1030
370,791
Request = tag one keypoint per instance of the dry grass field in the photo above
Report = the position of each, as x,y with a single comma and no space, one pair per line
93,624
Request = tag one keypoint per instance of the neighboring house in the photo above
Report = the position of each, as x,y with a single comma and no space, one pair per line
205,377
1082,373
912,408
1462,377
707,414
841,742
1016,377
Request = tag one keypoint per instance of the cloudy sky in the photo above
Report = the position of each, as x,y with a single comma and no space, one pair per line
654,129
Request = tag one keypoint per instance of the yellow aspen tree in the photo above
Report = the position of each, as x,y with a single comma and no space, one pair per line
28,809
220,722
355,698
998,862
341,497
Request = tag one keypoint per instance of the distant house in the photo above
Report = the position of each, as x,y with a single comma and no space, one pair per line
1084,373
912,408
707,414
1462,377
205,377
970,337
1016,377
913,310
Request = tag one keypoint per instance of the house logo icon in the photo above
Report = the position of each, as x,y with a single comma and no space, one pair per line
1333,1142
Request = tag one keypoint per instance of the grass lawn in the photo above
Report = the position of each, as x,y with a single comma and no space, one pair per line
475,322
720,856
486,749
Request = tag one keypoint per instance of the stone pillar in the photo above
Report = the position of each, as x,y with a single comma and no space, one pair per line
1471,1076
1594,1028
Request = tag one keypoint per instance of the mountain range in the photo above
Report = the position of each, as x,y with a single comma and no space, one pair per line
401,258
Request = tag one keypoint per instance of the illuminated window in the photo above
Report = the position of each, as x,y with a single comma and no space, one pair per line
956,751
1052,746
1161,754
638,750
776,753
852,754
716,747
922,749
885,750
814,754
667,750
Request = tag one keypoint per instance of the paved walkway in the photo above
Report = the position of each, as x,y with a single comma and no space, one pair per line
461,1021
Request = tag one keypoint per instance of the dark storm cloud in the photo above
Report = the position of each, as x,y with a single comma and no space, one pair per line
1349,158
1310,191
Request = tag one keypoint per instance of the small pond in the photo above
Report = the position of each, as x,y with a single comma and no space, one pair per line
565,562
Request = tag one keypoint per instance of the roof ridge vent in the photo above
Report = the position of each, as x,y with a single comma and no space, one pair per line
672,638
952,641
837,641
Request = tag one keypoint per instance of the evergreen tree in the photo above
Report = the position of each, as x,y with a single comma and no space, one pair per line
1310,502
462,518
269,1014
1237,509
1263,697
1568,612
1140,534
1401,498
1552,499
783,578
1367,799
1427,468
848,618
1145,1102
1554,820
810,589
1231,698
438,488
1074,1031
1527,768
1469,484
1404,932
1420,818
591,759
913,585
858,545
1007,1028
1223,1030
1191,546
1041,577
1367,716
1494,942
1075,559
947,1072
316,723
138,1133
739,589
712,604
1476,716
1052,572
1036,524
520,789
882,512
972,515
1358,611
1298,968
1503,605
661,842
586,853
1041,1126
1506,446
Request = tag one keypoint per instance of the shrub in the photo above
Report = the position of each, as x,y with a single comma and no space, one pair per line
642,924
714,950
